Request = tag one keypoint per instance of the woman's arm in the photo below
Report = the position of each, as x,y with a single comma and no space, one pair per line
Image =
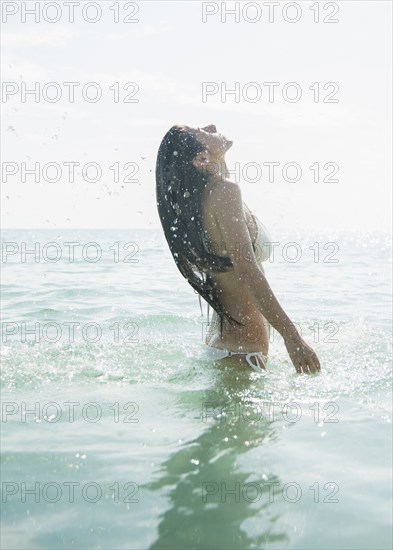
227,205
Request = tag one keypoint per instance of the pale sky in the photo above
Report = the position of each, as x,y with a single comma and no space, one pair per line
169,53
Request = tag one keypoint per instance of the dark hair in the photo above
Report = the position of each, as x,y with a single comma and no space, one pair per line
179,187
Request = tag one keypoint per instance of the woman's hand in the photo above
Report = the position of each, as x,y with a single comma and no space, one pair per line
302,356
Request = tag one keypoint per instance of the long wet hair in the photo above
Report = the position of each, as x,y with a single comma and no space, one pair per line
179,188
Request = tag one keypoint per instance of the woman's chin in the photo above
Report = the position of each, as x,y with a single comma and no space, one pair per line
226,144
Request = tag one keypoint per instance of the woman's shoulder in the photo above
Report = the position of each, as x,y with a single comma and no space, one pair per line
220,186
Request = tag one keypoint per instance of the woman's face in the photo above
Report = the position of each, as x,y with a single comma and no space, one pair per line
216,144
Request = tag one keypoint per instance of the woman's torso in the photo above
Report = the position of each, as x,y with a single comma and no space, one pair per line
234,297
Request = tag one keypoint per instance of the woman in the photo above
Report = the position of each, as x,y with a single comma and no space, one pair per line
212,239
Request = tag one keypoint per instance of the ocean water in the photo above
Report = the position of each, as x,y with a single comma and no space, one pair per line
119,431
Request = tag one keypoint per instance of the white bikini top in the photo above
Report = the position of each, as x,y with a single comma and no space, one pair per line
262,248
261,244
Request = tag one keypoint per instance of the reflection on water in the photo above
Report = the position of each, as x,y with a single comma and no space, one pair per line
210,494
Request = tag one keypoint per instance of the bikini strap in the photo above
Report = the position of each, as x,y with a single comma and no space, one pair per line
257,367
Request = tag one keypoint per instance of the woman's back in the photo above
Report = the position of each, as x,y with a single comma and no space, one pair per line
235,299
